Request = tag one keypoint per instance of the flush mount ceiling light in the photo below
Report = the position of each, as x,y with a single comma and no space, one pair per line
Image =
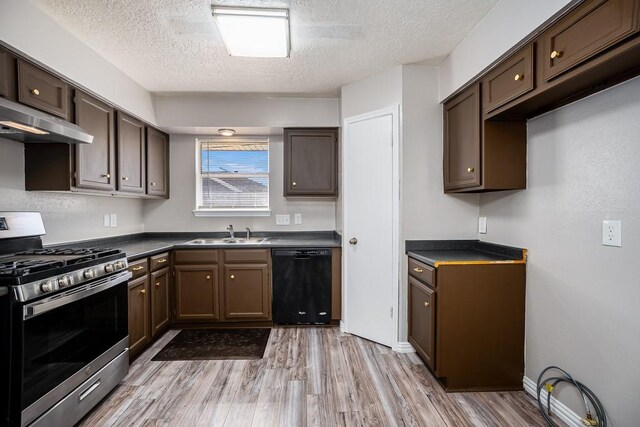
227,132
254,32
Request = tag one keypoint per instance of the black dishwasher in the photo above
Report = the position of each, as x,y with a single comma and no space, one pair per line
301,286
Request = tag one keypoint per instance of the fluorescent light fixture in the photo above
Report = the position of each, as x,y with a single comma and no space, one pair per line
254,32
24,128
227,132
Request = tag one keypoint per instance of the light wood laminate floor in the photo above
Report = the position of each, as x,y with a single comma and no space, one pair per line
308,376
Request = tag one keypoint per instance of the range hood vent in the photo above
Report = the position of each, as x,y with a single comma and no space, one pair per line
26,124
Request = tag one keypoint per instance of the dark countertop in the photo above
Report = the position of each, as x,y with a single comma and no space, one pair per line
146,244
442,252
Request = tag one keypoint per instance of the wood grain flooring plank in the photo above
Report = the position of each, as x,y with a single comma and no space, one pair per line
271,398
295,405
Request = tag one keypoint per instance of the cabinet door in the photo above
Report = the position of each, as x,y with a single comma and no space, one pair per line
590,29
131,155
42,90
7,75
139,327
197,292
159,301
422,320
311,159
95,162
157,163
246,291
462,140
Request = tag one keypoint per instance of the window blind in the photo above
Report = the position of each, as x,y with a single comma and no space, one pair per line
234,175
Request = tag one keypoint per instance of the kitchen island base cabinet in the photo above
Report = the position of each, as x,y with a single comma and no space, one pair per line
197,292
139,328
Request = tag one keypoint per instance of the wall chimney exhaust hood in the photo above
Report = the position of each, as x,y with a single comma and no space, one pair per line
25,124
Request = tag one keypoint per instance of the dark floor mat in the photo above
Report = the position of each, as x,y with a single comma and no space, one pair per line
216,344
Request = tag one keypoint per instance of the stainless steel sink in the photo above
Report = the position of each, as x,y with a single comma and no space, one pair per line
230,241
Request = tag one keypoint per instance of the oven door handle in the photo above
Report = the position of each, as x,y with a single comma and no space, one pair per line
55,301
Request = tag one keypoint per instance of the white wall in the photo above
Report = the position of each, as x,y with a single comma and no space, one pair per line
505,25
67,217
25,27
582,297
176,214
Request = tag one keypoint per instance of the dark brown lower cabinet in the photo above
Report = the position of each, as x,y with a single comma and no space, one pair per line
197,292
247,292
160,307
139,330
422,325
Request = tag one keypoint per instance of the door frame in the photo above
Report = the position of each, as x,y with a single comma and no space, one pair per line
395,113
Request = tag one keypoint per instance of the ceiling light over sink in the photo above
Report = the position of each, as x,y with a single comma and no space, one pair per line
227,132
253,32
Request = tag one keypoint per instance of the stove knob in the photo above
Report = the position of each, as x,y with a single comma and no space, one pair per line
119,265
47,286
64,281
108,268
89,274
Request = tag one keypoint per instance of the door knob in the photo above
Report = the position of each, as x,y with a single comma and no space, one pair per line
353,241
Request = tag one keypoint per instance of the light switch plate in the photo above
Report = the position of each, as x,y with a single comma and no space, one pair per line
114,220
283,219
297,218
612,233
482,225
106,221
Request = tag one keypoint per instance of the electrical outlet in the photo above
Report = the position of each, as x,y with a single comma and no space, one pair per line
482,225
283,219
297,218
106,221
612,233
114,220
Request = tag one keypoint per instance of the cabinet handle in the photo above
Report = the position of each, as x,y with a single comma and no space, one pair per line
143,291
208,277
157,284
233,277
426,304
162,261
294,183
152,183
417,270
470,170
518,77
125,178
36,92
556,54
138,268
107,175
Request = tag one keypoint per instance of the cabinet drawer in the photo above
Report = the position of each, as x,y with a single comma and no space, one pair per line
139,268
159,261
42,90
422,272
7,75
196,256
511,79
246,255
591,28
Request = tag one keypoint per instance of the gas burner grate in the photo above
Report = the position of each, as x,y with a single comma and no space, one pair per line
21,268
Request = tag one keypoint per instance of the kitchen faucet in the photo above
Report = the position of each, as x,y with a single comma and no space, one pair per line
230,230
248,233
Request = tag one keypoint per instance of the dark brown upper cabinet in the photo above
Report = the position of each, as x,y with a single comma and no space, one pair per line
7,75
593,27
509,80
157,163
43,91
462,140
131,155
95,162
311,162
489,155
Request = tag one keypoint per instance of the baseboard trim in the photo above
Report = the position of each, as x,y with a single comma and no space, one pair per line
558,408
342,331
403,347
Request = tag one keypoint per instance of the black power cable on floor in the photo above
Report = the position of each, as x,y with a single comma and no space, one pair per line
588,396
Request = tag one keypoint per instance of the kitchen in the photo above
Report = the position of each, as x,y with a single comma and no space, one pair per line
572,315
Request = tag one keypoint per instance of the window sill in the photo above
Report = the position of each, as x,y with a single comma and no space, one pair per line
230,212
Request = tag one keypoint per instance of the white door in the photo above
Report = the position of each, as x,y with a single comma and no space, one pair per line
370,209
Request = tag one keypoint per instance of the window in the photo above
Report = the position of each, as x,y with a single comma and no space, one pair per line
232,177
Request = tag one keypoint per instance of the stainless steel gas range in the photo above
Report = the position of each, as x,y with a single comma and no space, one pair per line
63,325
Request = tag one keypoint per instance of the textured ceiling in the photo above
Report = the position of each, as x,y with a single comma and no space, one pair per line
174,46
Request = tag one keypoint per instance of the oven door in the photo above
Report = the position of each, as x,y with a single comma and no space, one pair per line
68,337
